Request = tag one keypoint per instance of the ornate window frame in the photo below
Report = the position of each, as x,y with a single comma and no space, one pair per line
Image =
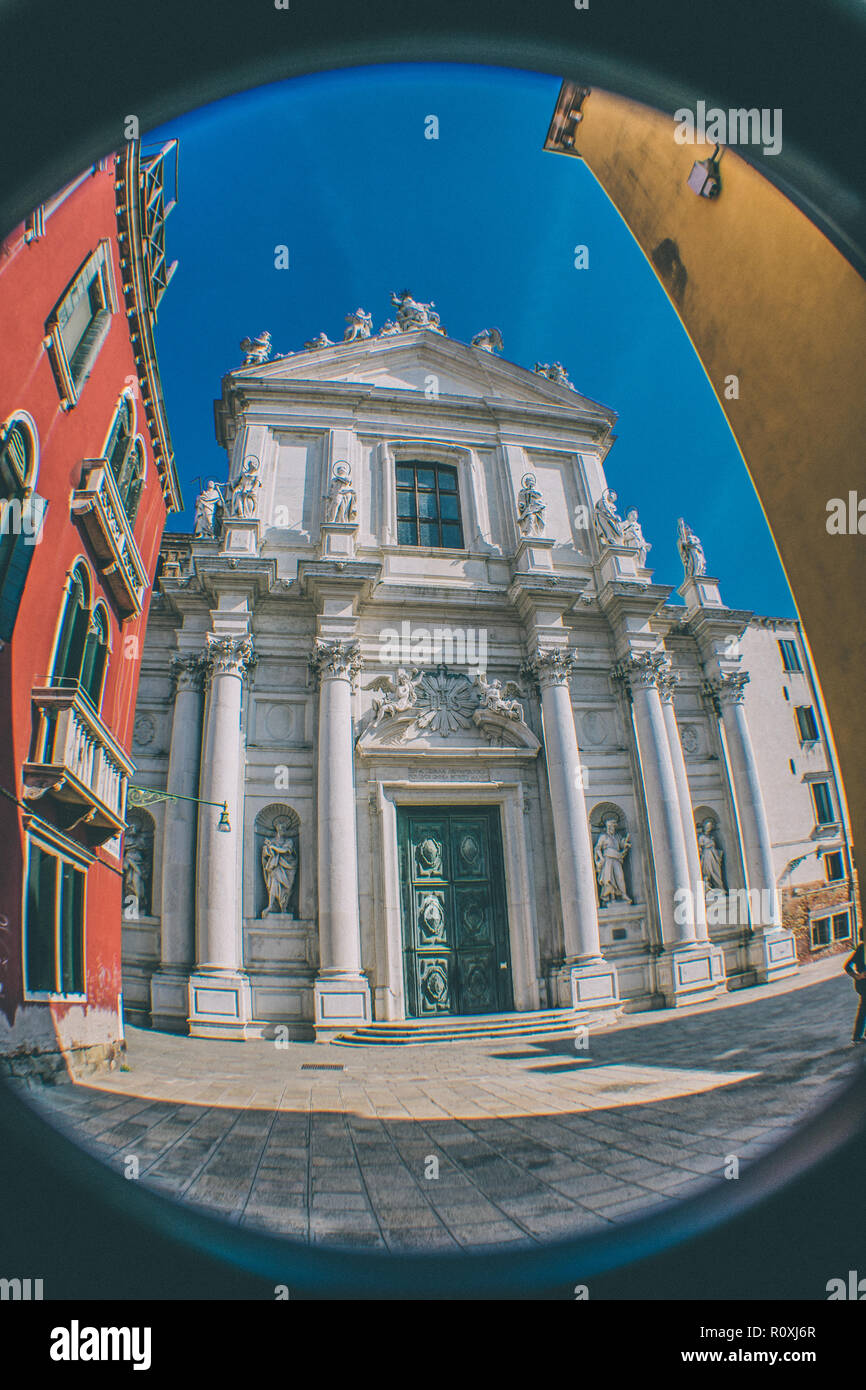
395,451
70,381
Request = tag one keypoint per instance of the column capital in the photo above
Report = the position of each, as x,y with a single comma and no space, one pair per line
649,669
187,672
550,667
336,660
727,689
228,656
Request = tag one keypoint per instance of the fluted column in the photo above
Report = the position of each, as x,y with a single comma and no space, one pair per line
342,994
219,991
667,686
644,676
177,923
728,691
593,981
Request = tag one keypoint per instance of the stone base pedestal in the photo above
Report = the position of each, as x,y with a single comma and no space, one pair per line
585,987
534,553
701,592
220,1005
241,535
691,974
338,539
341,1002
169,1001
618,562
772,954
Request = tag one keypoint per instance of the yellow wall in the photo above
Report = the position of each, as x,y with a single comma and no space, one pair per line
764,295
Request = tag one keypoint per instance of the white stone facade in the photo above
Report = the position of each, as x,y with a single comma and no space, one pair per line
311,663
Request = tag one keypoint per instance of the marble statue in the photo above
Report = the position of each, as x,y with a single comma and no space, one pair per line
607,519
279,866
207,504
256,350
530,508
490,339
394,697
321,340
691,551
610,851
711,855
341,504
243,500
360,325
136,871
389,329
500,701
632,535
554,371
413,314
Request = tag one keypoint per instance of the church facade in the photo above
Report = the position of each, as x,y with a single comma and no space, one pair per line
418,735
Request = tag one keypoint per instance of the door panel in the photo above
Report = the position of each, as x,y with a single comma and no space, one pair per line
455,929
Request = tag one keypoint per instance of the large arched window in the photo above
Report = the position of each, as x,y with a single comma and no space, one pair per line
81,656
21,513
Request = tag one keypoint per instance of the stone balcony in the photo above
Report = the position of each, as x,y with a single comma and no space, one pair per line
97,505
76,764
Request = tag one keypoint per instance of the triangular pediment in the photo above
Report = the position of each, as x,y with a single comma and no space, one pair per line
408,361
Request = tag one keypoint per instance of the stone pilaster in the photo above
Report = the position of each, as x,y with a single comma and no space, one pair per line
342,992
591,980
772,950
169,986
689,967
668,682
219,990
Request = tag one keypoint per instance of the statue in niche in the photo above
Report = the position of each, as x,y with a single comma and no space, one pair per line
279,866
243,501
500,701
360,325
691,551
342,501
610,851
394,697
608,522
633,536
137,851
711,855
530,507
207,506
256,350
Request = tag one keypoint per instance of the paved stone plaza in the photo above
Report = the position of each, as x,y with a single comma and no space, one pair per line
534,1141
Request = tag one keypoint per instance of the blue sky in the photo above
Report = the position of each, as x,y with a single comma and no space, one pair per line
483,222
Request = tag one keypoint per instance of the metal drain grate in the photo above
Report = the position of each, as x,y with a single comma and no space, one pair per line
322,1066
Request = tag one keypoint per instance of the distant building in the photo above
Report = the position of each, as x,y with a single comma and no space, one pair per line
87,477
473,759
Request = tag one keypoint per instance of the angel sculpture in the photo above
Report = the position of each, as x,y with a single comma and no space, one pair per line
500,701
257,350
490,339
395,697
321,340
360,326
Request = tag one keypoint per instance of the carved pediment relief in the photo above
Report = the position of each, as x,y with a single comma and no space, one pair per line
440,709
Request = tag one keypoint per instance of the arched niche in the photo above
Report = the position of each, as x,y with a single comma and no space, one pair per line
712,850
276,843
138,839
612,855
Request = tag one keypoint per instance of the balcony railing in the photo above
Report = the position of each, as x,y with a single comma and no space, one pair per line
76,762
98,506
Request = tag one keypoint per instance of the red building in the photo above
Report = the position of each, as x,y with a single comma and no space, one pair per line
87,477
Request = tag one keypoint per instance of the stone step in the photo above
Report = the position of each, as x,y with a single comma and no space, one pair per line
542,1023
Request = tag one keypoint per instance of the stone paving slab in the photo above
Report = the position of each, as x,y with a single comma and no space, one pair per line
472,1145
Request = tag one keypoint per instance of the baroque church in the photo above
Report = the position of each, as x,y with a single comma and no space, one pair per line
417,734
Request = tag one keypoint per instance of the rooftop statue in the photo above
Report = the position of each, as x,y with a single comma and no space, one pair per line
554,371
633,536
360,325
490,339
321,340
257,350
207,504
413,314
243,501
691,551
608,522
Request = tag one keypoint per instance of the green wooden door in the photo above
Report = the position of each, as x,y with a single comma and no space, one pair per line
455,926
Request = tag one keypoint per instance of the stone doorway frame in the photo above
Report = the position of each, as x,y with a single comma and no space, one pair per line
519,893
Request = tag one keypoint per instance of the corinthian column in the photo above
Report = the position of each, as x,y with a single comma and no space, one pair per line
667,686
342,993
689,968
219,991
592,980
169,992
